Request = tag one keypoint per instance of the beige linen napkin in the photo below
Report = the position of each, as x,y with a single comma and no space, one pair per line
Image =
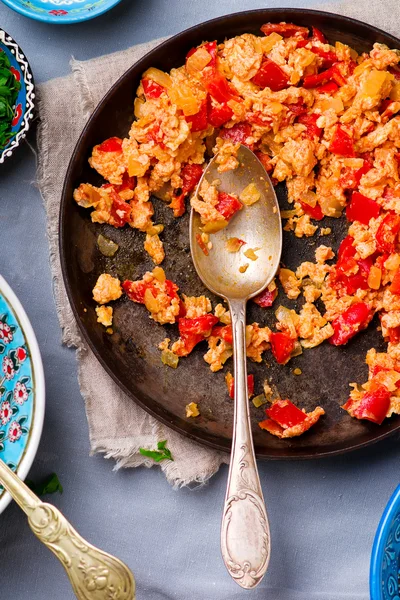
117,427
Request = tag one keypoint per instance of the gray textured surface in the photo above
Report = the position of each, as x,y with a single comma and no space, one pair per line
323,514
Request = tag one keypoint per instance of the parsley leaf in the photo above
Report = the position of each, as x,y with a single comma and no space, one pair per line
9,88
50,485
162,452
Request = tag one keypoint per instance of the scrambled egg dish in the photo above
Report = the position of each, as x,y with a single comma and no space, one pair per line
320,117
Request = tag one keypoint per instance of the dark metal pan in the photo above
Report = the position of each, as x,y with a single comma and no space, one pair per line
131,355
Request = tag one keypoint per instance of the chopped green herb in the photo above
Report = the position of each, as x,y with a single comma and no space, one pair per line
9,88
162,452
49,485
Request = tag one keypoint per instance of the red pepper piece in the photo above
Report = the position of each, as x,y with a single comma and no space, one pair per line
282,346
285,413
152,89
329,57
395,285
395,71
272,427
250,386
346,249
310,121
315,212
265,160
271,75
394,338
218,115
353,320
178,205
211,48
228,205
266,298
135,290
298,108
224,332
342,143
387,233
312,81
374,406
198,326
362,209
238,133
113,144
120,210
199,120
327,88
285,29
201,243
318,35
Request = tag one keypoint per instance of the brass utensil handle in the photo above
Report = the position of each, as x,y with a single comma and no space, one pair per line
245,536
94,574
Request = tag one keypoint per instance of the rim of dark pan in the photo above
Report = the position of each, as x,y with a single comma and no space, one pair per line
283,14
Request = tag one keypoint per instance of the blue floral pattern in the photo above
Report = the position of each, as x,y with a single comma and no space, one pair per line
17,396
61,11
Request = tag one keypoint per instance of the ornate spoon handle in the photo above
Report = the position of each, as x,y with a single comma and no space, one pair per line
94,574
245,537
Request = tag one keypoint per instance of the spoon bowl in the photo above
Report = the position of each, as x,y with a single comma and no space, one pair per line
258,225
245,537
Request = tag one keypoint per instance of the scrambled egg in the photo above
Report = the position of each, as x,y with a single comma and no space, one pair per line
107,289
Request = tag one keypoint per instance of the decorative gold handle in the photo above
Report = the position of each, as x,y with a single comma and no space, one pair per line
94,574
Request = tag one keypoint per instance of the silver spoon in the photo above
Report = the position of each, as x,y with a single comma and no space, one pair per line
94,574
245,537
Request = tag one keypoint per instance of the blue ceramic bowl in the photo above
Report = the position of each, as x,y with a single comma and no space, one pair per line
24,105
22,392
385,559
61,11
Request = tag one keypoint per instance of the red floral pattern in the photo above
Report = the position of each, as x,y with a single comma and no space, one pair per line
15,431
8,368
6,335
58,13
20,393
5,412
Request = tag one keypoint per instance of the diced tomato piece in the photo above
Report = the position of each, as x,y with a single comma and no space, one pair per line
271,75
228,205
250,386
211,48
265,160
394,335
346,248
374,405
135,290
328,56
298,108
152,89
171,289
395,285
362,209
395,71
218,87
310,121
272,427
238,133
199,120
342,143
128,183
351,177
282,346
318,35
387,233
113,144
327,88
120,210
315,212
218,115
353,320
266,298
285,29
224,332
191,175
197,326
285,413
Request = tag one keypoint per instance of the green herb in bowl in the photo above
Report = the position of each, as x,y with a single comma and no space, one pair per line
9,88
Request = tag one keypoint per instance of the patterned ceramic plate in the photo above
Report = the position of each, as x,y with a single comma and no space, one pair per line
61,11
25,101
22,395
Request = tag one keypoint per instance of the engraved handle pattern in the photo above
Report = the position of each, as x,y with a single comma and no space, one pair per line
245,536
94,574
